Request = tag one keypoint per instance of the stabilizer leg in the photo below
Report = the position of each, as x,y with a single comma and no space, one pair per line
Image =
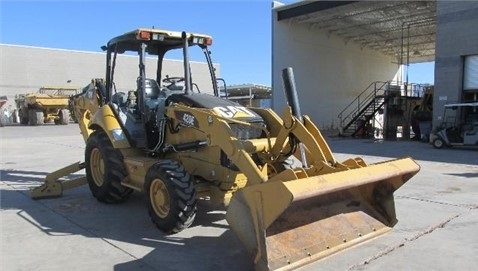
54,186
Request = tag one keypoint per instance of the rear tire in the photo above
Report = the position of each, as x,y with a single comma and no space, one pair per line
438,143
64,116
105,169
35,117
172,203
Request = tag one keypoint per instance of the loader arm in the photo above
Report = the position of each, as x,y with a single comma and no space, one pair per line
239,151
318,153
309,135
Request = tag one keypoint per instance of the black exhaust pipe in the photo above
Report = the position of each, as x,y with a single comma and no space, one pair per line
187,70
291,92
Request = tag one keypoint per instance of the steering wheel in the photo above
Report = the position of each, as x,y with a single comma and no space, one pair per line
173,80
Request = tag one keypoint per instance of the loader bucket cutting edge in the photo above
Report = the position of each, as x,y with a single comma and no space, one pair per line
288,224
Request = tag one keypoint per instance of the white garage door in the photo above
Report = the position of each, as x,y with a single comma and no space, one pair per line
470,75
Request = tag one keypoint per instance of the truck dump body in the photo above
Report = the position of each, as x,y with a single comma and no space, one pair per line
41,99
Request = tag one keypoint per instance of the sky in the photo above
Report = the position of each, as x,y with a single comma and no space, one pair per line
241,29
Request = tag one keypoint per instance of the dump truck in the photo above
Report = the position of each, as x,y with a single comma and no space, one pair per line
49,103
288,199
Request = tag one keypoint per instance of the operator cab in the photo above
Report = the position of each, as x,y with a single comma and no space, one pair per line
142,117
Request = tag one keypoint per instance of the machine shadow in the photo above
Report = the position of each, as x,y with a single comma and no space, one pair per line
77,212
473,176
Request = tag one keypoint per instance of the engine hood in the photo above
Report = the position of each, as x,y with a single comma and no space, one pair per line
222,107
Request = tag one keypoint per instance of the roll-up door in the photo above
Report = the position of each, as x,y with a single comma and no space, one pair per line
470,74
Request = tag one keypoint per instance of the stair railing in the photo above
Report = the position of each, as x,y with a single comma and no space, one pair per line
351,112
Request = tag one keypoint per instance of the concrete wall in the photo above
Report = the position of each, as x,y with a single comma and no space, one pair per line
25,69
457,37
329,73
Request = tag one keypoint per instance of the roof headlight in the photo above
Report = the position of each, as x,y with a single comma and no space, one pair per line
198,40
157,36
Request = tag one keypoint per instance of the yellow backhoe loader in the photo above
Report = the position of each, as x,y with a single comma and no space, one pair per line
180,145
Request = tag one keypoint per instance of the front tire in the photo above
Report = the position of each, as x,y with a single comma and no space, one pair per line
172,203
23,115
105,169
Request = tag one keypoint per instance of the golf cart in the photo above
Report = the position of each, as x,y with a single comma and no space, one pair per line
452,133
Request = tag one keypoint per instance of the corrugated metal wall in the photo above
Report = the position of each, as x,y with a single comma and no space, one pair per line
25,69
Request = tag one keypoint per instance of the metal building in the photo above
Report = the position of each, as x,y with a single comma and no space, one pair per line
339,49
25,69
254,95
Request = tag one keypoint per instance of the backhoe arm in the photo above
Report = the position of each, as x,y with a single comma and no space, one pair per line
86,104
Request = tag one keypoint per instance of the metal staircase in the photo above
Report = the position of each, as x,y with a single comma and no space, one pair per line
356,115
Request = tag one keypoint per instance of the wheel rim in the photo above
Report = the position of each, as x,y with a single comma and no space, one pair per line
159,195
97,167
438,143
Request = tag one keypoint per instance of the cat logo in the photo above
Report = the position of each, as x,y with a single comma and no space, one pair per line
234,112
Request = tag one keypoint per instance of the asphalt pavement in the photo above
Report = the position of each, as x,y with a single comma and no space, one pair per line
437,211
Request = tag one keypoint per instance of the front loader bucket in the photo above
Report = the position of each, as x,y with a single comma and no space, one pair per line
288,224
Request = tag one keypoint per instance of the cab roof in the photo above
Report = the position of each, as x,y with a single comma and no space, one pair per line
156,39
